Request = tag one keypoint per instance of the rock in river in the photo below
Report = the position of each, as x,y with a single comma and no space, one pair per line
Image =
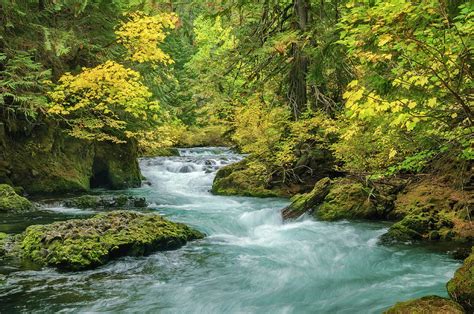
87,243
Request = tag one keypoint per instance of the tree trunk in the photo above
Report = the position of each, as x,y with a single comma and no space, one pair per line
41,5
297,93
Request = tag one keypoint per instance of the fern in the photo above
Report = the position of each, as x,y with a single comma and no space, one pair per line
22,85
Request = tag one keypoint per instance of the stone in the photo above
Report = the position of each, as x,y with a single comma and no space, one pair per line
10,201
81,244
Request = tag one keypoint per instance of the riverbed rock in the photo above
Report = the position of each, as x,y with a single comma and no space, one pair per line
429,304
306,203
240,179
106,201
87,243
10,201
461,286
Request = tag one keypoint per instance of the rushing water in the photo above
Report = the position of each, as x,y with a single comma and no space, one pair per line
250,262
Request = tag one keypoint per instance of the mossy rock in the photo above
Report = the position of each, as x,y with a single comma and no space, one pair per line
461,286
239,179
88,243
426,225
12,202
426,305
431,211
115,201
350,199
303,203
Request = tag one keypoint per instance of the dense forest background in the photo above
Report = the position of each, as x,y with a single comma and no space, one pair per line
382,86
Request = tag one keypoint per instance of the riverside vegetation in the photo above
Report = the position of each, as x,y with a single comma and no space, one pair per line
357,110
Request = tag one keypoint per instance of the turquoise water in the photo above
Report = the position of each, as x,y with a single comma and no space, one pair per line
250,262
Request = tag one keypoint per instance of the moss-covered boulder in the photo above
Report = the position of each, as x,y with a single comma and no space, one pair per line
461,286
304,203
106,201
240,179
88,243
10,201
340,198
426,305
432,211
42,158
350,199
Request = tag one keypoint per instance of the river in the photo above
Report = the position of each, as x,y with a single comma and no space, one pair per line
250,262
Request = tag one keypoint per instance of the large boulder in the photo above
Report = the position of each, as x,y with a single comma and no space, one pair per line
10,201
430,210
87,243
340,198
351,199
461,286
240,179
426,305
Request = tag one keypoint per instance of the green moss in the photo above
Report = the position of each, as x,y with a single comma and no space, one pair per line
461,286
425,223
10,201
88,243
239,179
348,199
303,203
429,304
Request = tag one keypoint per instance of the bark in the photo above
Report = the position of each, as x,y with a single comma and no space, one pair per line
297,93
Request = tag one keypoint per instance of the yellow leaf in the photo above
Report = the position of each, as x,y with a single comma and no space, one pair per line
392,153
385,38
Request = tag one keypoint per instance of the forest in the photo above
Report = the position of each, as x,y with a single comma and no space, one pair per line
287,156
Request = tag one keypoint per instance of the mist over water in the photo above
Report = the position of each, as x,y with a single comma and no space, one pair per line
250,261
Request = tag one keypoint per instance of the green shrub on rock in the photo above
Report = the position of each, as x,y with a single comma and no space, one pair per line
10,201
461,286
88,243
430,304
